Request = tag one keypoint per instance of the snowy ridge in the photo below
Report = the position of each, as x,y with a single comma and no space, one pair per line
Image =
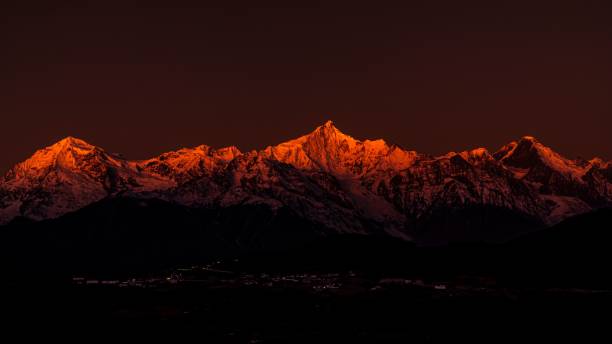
328,177
189,163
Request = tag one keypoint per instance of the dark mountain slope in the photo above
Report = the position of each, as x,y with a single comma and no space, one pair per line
126,235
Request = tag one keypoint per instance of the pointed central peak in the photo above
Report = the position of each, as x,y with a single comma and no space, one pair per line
329,137
328,149
329,131
328,126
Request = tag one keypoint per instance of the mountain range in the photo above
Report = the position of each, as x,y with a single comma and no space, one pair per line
333,182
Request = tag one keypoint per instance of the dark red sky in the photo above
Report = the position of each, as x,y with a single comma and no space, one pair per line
435,76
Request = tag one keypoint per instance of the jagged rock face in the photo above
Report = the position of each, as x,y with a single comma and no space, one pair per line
255,179
453,181
569,187
598,187
540,163
326,177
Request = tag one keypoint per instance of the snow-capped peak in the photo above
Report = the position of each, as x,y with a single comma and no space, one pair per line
328,149
328,124
68,153
330,135
67,176
71,140
529,152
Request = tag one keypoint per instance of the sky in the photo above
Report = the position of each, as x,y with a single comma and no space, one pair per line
141,78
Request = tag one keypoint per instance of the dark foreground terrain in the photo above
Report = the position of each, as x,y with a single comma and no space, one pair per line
548,286
309,308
